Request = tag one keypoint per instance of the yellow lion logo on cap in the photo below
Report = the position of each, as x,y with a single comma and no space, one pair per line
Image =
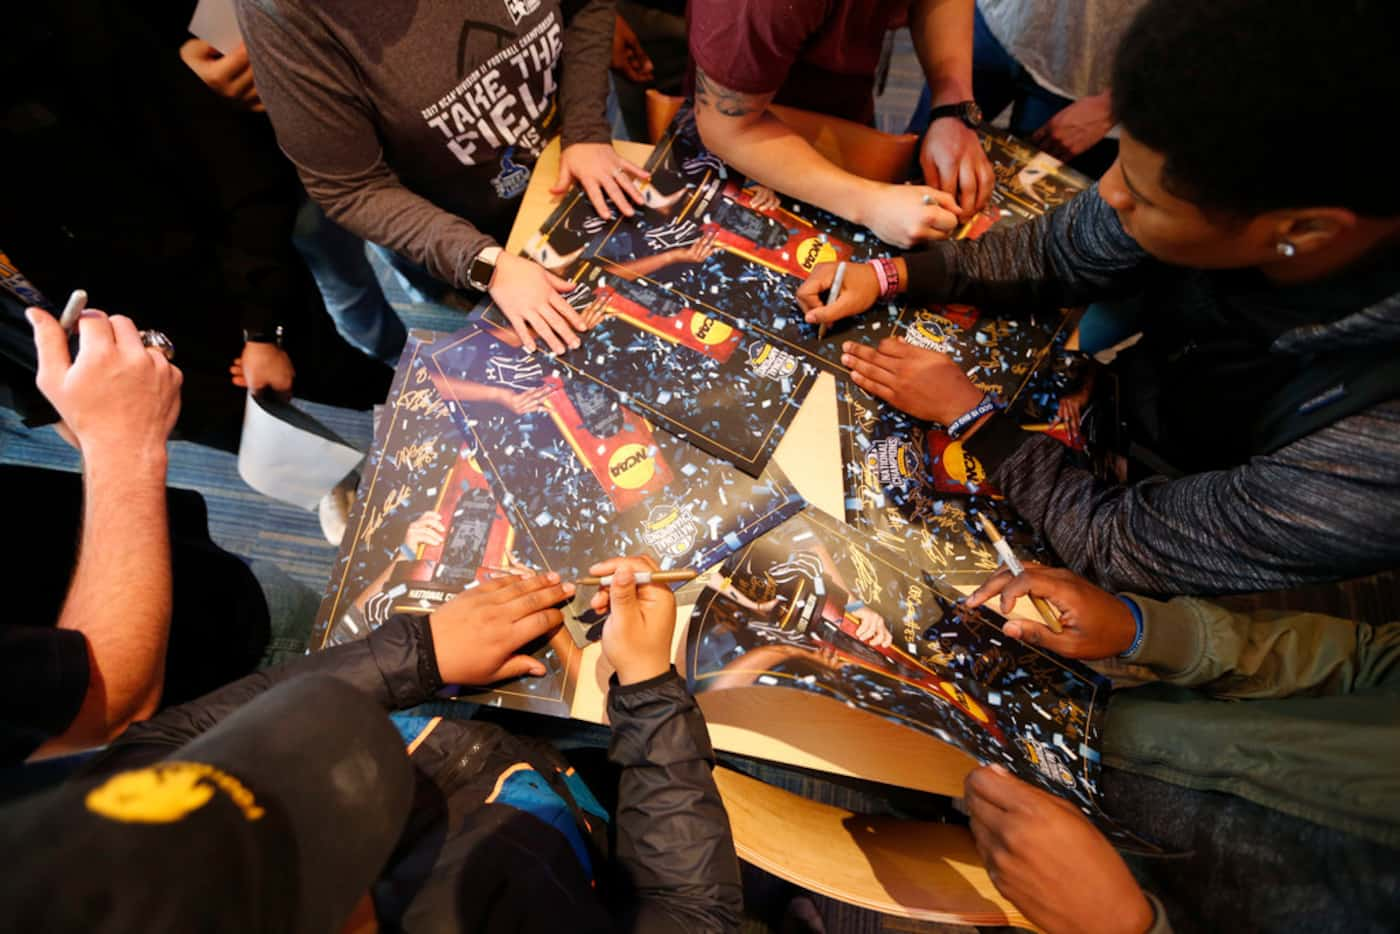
166,793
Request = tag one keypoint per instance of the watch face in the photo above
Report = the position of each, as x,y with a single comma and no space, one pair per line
972,114
479,273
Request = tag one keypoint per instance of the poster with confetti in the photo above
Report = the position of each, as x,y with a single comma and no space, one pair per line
719,381
721,245
815,606
425,526
581,477
1029,182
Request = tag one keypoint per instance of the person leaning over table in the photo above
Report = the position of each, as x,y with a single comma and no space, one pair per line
1266,385
417,126
275,803
822,57
1269,748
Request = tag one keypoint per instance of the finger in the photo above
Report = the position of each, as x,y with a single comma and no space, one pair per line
51,346
865,630
629,188
522,331
995,786
986,182
631,168
809,293
559,283
543,320
567,312
876,387
563,180
868,362
1015,589
520,666
538,624
635,562
942,220
240,382
595,195
848,304
623,591
539,594
1033,632
614,193
433,520
125,335
94,332
967,187
599,601
432,537
990,588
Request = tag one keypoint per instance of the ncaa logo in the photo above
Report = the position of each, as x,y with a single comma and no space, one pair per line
632,466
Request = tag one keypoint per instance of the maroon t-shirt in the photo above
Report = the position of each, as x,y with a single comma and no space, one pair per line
819,55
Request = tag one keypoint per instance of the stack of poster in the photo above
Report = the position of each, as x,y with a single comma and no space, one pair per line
655,437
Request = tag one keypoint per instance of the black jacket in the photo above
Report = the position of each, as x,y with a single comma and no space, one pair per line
464,863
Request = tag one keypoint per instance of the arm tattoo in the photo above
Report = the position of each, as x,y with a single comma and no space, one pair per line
710,93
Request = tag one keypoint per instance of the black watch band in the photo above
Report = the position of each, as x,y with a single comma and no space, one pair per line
966,111
264,337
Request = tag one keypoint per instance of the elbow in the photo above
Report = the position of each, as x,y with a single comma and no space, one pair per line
718,132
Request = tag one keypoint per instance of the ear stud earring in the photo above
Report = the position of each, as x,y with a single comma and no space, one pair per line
1286,249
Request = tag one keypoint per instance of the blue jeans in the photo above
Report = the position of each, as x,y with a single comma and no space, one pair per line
351,290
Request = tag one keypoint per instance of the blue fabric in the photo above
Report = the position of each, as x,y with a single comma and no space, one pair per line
348,285
1106,324
526,790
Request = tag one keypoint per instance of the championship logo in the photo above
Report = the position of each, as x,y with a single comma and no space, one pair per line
709,331
511,181
772,362
519,9
894,462
926,331
670,530
632,466
814,250
166,793
1046,760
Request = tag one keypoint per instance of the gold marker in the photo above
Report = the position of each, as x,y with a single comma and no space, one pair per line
643,577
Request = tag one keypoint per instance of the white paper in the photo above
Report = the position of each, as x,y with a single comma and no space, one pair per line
289,456
215,22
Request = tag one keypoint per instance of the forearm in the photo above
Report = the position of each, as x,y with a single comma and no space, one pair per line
376,206
1254,527
942,34
741,130
120,598
673,839
1074,255
583,82
1196,643
395,666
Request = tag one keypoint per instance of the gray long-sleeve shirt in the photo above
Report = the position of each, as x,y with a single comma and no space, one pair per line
417,125
1321,507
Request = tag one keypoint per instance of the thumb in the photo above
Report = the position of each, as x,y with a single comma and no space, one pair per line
565,179
50,345
623,592
518,666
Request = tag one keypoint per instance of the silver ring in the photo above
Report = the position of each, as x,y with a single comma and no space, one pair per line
618,170
156,340
928,199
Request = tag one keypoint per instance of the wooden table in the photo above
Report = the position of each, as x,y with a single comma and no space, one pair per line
926,871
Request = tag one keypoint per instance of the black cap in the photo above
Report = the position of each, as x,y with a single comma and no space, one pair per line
277,819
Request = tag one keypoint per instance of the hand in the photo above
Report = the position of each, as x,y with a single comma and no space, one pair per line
924,383
953,160
899,215
600,170
1033,842
628,56
263,366
477,634
762,199
531,297
1076,128
523,403
871,628
1096,623
859,291
428,529
637,634
118,397
700,250
1070,411
229,76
